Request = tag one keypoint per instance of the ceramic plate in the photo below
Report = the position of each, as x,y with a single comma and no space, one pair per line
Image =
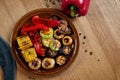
44,13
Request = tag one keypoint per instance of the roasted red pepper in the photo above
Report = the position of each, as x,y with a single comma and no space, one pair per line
38,49
33,27
48,22
35,38
39,23
75,7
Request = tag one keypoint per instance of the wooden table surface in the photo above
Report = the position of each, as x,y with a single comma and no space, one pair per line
99,33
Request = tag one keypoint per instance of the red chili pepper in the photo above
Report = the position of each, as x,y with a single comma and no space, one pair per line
75,7
48,22
38,49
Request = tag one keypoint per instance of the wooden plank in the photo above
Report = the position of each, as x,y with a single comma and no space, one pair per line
98,57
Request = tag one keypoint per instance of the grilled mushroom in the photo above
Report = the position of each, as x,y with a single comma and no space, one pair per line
63,22
67,40
51,53
48,63
35,64
66,50
57,34
63,29
60,60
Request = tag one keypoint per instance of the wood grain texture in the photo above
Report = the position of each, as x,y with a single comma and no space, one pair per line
99,54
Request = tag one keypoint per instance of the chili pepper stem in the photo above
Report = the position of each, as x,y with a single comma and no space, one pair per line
72,11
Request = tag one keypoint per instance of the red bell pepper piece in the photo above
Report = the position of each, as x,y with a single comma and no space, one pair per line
35,19
39,23
38,49
33,27
34,36
75,7
48,22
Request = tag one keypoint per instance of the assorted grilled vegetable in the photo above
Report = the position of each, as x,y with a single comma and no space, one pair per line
57,34
24,42
67,40
46,33
55,45
51,53
66,50
61,60
29,54
45,43
35,64
48,63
